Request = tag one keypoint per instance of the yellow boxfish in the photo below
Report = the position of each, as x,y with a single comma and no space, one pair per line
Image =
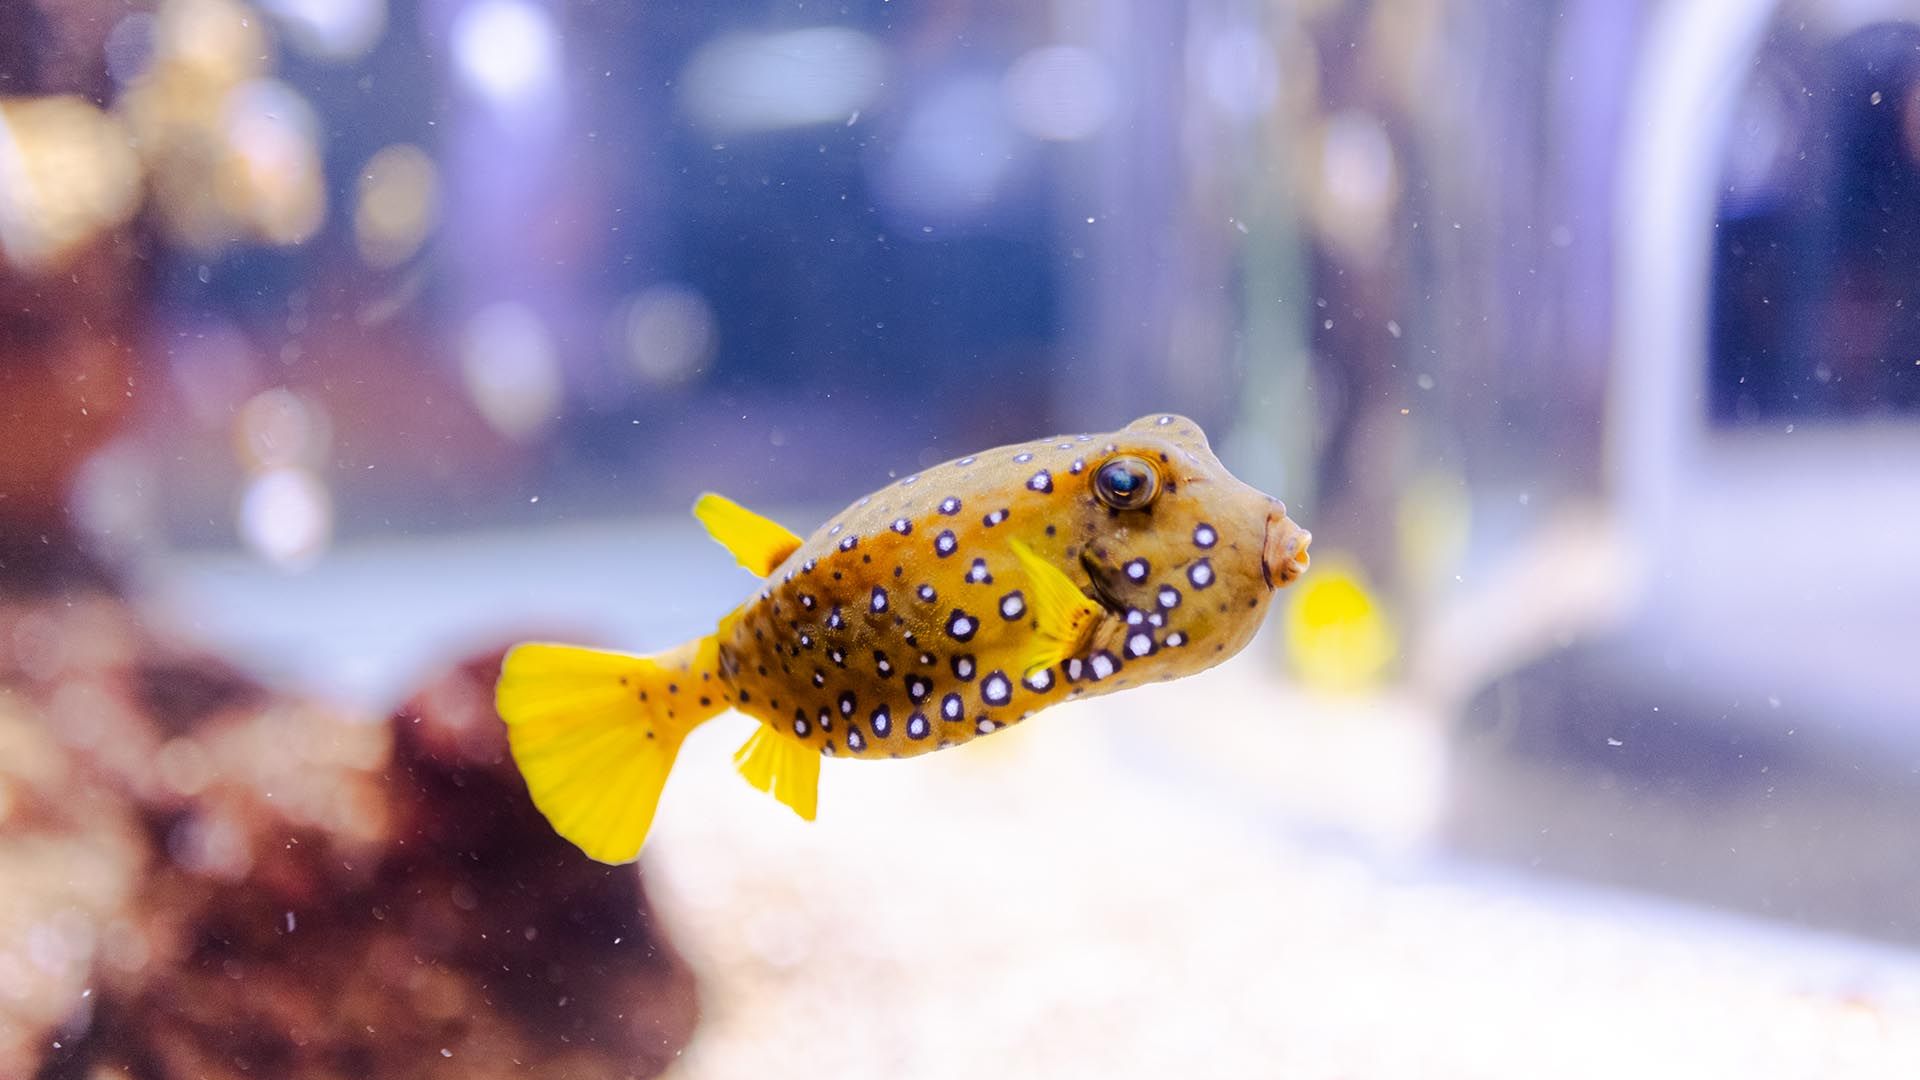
945,606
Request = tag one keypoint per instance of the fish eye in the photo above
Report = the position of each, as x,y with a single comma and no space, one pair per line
1126,483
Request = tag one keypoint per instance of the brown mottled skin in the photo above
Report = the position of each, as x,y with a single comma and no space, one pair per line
844,648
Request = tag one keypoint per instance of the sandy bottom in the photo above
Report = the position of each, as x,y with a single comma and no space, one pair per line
1217,877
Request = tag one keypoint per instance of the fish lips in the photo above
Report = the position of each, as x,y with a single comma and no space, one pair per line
1283,557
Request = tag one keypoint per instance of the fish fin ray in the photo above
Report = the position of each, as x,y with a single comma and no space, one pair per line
594,754
783,767
760,544
1064,617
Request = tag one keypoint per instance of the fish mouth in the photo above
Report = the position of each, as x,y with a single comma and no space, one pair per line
1101,591
1283,558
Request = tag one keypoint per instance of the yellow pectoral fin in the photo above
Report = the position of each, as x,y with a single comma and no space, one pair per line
1064,617
783,767
758,543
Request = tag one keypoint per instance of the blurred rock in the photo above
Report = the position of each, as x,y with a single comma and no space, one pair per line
66,382
205,881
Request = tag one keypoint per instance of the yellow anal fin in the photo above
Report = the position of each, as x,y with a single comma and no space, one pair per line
594,734
783,767
1064,617
759,544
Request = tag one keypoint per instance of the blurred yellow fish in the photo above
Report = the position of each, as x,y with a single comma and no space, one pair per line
946,606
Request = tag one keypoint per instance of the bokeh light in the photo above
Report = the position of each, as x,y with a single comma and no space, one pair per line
1059,92
1358,183
272,175
66,174
336,30
115,498
1237,69
285,512
212,42
231,154
279,428
398,204
669,333
764,82
286,516
511,369
506,51
954,153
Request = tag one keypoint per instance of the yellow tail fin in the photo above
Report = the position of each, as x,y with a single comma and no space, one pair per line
595,734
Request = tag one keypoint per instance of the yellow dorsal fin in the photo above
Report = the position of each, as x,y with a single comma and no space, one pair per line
594,734
783,767
758,543
1063,615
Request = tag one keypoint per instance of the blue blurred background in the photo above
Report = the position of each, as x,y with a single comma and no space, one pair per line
1585,335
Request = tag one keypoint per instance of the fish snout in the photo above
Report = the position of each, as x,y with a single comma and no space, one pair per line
1284,555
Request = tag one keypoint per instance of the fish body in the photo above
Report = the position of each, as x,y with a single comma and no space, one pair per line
946,606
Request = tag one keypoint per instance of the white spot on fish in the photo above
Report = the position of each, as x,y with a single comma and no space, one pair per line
996,690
